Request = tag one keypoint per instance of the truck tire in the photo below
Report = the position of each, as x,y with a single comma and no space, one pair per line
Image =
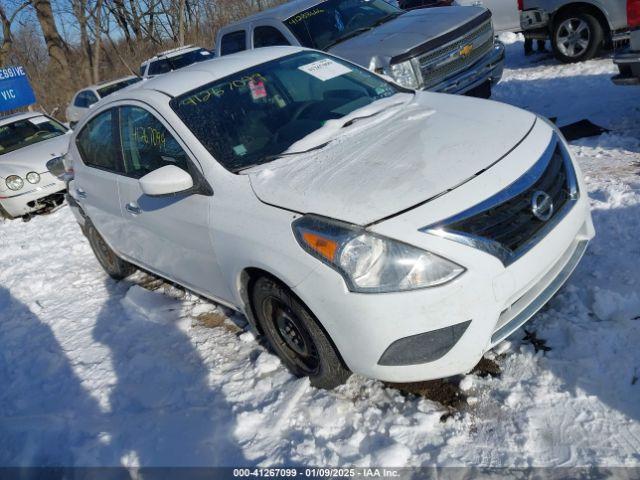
115,267
295,336
576,37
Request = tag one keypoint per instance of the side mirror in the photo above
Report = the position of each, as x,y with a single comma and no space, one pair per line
165,181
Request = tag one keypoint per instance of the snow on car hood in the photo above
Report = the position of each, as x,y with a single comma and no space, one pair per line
394,160
33,158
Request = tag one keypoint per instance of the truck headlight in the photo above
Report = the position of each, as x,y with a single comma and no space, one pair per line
372,263
404,74
33,177
14,182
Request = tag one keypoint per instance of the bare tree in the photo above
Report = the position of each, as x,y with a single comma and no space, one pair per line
7,19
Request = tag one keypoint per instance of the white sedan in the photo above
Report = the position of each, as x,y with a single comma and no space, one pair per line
31,149
360,226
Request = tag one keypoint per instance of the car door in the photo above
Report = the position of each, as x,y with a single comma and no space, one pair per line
505,14
169,235
96,177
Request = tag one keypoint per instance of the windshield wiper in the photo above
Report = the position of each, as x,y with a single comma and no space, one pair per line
270,158
346,36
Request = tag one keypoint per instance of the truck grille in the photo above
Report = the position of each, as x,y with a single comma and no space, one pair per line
513,223
438,65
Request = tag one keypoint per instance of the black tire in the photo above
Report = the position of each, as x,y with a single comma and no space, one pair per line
580,45
115,267
481,91
295,336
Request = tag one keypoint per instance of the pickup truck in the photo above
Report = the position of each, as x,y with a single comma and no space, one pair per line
447,49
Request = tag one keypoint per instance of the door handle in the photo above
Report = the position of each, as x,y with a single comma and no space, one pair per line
81,193
133,209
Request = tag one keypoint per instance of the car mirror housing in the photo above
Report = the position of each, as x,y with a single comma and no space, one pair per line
166,180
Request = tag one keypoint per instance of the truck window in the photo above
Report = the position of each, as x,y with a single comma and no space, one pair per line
233,42
266,36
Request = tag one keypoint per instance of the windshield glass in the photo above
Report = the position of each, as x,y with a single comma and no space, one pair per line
247,118
108,90
22,133
179,61
332,21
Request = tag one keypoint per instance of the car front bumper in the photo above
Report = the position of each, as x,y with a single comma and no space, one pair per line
29,198
460,320
487,68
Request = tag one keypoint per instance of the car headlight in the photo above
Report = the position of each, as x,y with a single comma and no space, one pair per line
372,263
32,177
14,182
404,74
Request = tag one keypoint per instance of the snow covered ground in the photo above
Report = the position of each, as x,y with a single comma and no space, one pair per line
94,372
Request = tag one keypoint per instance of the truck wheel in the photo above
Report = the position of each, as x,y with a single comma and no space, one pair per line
576,36
112,264
295,336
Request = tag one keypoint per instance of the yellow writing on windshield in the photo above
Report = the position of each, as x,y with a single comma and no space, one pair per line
305,15
149,136
219,90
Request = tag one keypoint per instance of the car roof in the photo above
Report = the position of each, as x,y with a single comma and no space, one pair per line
181,81
15,117
107,83
281,12
174,52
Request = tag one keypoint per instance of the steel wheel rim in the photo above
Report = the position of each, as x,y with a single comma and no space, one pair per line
573,37
293,340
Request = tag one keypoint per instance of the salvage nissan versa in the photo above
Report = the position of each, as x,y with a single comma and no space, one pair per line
360,226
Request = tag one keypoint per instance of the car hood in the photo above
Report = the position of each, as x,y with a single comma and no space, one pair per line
425,146
33,158
429,27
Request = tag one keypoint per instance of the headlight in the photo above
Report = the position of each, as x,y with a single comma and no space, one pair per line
32,177
404,74
14,182
371,263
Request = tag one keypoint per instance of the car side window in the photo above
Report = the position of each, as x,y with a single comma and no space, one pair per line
81,100
159,67
266,36
233,42
146,144
91,98
97,142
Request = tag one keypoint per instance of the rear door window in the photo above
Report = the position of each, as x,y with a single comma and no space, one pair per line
97,142
233,42
266,36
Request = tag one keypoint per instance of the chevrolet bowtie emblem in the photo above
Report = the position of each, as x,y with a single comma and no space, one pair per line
466,50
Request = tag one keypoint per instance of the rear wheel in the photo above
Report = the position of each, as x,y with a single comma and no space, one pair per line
576,36
112,264
295,336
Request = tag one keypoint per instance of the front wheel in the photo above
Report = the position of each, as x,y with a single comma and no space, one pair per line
112,264
295,336
576,37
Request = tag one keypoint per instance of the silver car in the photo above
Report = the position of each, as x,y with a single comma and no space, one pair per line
447,49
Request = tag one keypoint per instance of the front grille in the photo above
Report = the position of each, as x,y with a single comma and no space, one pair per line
438,65
512,223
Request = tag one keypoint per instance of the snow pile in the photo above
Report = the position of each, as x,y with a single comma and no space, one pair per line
101,373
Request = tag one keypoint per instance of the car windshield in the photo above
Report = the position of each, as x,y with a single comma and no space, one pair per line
179,61
113,88
250,117
22,133
333,21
